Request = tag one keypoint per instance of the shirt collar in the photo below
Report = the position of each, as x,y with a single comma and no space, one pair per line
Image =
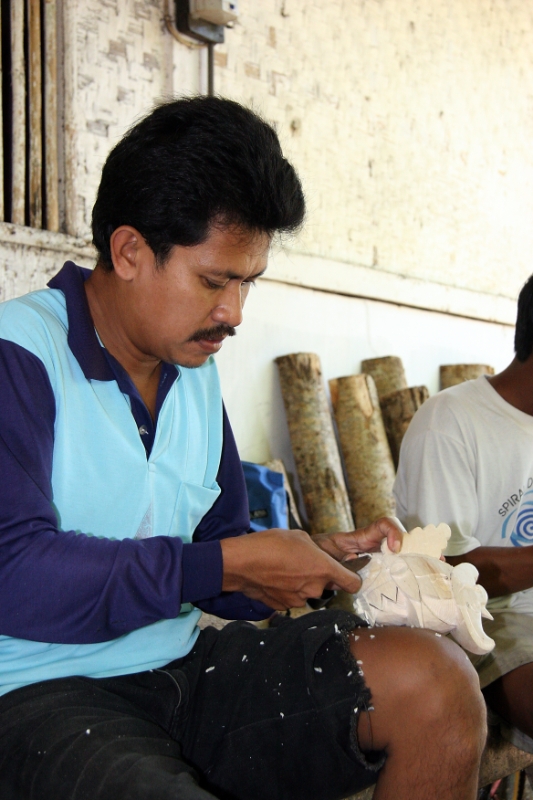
96,363
82,338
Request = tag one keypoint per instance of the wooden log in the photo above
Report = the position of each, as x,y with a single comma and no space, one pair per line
313,443
398,409
51,132
452,374
388,374
35,163
365,448
18,87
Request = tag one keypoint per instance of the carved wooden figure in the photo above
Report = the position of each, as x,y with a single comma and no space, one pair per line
414,587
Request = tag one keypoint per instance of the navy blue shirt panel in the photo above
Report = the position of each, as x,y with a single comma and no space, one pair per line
66,587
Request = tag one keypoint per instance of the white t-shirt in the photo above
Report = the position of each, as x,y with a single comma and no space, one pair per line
467,460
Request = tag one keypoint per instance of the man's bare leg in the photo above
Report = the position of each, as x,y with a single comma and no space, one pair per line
429,714
511,696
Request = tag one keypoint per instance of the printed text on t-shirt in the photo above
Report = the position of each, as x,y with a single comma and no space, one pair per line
514,499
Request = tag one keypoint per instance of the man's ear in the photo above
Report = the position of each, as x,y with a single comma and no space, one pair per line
128,248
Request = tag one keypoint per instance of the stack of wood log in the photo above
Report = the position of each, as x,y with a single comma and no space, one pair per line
346,461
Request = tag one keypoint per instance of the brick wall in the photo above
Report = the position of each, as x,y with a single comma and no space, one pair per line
411,125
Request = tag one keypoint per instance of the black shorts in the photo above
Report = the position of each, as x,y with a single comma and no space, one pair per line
252,714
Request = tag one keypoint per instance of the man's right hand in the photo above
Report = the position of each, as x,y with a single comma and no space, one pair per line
281,568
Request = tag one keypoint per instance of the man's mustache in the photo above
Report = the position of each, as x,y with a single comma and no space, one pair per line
213,334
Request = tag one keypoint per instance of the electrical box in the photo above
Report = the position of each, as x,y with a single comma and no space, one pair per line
205,19
219,12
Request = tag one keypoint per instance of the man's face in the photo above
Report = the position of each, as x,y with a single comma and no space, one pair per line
182,312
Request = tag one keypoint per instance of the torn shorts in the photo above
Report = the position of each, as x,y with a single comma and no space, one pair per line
249,714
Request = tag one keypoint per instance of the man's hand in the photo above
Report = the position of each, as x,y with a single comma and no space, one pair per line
284,568
344,546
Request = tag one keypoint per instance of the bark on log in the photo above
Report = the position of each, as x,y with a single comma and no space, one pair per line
365,448
398,409
452,374
388,374
313,443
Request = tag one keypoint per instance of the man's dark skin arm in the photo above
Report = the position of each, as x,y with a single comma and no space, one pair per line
502,570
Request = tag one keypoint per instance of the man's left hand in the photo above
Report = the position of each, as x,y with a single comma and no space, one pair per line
344,546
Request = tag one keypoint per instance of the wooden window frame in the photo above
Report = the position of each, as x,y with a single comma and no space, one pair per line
29,122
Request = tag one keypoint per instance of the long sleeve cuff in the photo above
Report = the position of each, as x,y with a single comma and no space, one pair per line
201,564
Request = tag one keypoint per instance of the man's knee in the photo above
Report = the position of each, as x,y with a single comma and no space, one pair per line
422,685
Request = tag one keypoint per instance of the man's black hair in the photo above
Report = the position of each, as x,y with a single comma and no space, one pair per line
523,336
189,164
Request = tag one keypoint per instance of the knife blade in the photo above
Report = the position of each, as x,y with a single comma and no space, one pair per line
356,564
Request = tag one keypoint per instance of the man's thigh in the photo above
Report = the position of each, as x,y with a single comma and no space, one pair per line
73,739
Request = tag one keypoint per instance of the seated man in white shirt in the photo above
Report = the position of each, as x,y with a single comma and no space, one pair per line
467,460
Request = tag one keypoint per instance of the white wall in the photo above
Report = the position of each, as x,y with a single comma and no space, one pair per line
410,123
342,331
